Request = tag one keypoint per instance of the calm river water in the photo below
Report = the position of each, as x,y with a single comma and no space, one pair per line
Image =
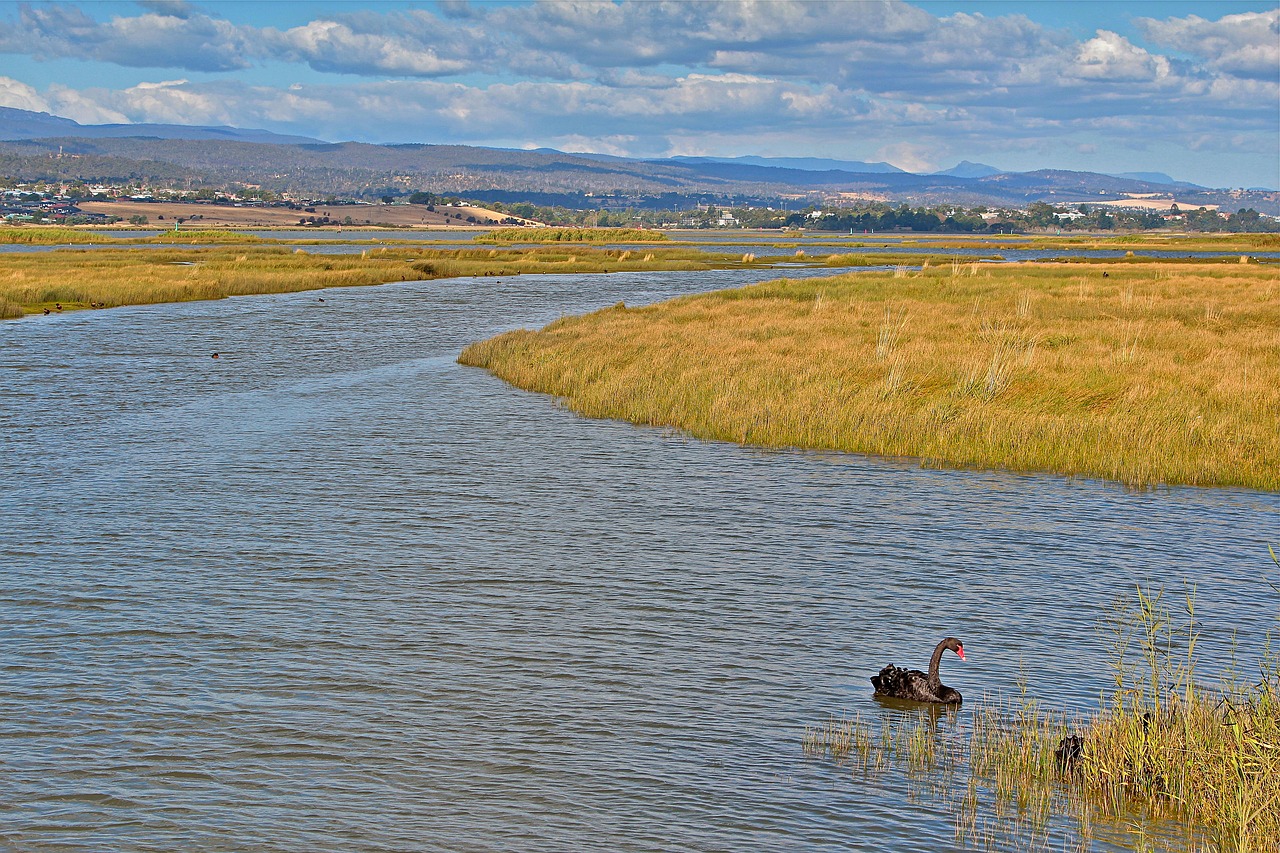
333,592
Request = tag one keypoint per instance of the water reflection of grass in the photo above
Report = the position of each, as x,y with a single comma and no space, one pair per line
1162,755
1144,373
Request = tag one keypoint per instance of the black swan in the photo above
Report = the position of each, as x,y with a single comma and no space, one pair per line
1070,753
915,685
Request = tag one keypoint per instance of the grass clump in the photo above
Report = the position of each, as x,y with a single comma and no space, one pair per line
199,236
35,235
39,235
1210,755
1154,374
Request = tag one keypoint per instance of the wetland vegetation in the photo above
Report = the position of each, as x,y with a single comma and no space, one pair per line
1140,370
1161,747
1143,372
1131,369
69,279
56,236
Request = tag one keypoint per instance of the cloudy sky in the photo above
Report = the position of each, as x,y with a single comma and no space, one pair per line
1187,88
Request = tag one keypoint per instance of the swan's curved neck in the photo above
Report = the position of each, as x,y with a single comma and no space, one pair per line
935,680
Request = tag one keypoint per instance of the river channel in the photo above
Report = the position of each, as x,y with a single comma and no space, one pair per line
331,591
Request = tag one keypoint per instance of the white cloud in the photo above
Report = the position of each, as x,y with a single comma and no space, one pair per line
59,100
1245,45
640,34
850,78
618,146
151,40
1112,58
909,157
85,107
334,46
20,96
160,84
172,8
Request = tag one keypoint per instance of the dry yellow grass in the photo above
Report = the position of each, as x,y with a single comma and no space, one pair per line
106,278
1144,373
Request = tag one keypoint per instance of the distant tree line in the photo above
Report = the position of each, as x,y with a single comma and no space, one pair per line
878,217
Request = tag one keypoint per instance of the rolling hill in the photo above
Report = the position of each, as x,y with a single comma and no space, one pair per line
196,157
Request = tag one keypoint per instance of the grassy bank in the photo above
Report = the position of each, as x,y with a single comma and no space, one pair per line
31,235
104,278
1202,762
55,236
1143,242
1144,373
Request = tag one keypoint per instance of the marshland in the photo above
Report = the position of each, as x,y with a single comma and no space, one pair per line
583,633
71,279
1161,745
1146,373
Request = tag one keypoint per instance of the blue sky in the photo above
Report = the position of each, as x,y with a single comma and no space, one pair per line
1187,88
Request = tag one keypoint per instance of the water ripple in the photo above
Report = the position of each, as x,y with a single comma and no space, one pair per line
333,591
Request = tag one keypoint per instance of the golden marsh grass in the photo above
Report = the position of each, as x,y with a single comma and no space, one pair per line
1158,241
56,236
30,283
1143,373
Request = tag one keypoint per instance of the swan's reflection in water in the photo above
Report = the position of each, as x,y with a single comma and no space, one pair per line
933,711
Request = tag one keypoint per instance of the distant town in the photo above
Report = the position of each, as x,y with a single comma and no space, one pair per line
141,205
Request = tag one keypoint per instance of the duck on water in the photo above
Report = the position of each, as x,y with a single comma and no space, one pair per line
916,686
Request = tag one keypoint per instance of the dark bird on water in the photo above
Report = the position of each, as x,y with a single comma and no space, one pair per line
915,685
1069,753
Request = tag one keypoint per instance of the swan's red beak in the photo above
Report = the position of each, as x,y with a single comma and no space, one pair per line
960,651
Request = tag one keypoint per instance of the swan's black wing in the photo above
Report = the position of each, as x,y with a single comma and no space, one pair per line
911,684
901,683
887,677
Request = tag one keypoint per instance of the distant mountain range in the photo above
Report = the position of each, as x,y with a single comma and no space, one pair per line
1153,178
44,147
965,169
24,124
806,164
